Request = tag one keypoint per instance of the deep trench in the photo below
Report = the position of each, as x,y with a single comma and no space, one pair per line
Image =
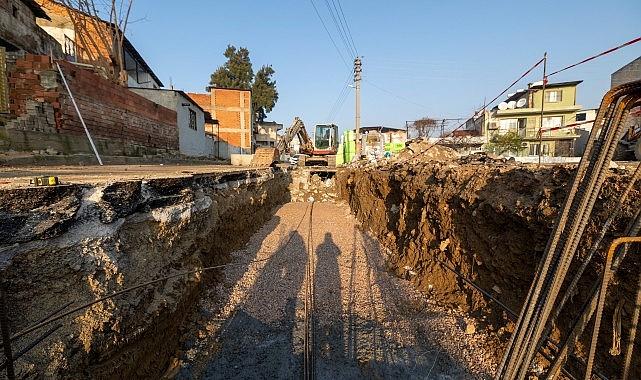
76,243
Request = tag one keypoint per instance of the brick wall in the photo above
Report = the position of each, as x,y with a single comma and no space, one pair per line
232,109
110,111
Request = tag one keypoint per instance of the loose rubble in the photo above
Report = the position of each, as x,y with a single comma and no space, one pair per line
310,186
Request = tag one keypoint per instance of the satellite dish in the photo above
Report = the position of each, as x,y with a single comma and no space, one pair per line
502,106
521,103
511,105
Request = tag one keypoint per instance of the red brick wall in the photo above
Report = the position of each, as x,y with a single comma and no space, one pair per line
110,111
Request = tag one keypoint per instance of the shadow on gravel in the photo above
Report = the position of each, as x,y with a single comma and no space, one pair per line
259,340
426,358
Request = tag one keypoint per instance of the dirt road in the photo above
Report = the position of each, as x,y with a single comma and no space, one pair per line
11,177
367,323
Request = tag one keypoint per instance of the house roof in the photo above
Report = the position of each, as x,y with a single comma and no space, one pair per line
203,100
132,50
58,7
209,88
36,9
382,129
182,93
629,64
557,84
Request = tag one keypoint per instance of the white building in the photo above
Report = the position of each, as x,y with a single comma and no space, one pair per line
192,140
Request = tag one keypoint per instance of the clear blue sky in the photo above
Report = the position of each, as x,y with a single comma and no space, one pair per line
438,58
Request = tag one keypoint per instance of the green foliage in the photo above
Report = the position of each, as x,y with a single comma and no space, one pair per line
508,142
237,72
264,93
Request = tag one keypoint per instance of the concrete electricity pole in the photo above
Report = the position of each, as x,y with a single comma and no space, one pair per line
357,85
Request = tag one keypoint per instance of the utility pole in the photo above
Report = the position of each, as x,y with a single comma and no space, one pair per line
357,85
545,79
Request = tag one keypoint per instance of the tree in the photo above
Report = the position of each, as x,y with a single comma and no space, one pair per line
264,93
424,126
237,72
508,142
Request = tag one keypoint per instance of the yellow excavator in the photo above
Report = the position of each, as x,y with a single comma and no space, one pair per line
321,152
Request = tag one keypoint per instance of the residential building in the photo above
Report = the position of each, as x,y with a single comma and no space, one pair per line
266,133
628,73
521,113
389,134
233,111
20,32
92,44
584,122
192,140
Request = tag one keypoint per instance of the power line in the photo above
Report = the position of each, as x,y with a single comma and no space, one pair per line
340,100
329,34
395,95
339,28
633,41
349,32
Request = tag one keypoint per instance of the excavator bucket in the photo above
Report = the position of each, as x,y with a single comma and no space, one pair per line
265,156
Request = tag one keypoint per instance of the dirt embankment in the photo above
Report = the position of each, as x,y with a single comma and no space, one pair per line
490,220
76,243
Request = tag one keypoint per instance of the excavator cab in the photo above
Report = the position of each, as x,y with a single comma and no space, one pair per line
325,139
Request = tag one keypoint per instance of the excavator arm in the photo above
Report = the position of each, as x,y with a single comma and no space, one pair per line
265,156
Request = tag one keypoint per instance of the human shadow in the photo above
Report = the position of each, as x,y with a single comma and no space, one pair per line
259,340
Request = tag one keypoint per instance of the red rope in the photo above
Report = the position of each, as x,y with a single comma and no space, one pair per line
598,55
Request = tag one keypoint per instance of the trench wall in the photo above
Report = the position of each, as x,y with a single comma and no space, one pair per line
78,243
491,222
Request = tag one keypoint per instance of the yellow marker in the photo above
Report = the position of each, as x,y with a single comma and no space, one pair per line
44,181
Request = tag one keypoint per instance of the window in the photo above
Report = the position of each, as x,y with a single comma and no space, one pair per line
508,125
192,120
581,116
552,122
522,123
553,96
534,149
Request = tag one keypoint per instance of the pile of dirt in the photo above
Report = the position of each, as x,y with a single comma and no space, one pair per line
79,243
424,150
490,220
309,186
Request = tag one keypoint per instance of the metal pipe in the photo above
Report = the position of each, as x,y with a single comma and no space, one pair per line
93,146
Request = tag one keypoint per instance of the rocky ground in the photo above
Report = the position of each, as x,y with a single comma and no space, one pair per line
489,219
368,323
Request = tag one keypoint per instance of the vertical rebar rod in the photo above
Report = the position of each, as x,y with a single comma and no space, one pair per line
6,334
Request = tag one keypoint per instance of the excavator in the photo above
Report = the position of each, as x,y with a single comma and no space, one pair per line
321,152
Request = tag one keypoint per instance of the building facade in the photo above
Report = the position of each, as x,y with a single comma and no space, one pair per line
232,109
628,73
190,119
20,30
266,133
92,44
521,113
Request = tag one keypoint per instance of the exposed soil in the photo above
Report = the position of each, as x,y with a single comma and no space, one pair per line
490,220
78,243
368,323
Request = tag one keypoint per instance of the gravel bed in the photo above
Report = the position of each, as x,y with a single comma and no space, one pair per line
368,323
